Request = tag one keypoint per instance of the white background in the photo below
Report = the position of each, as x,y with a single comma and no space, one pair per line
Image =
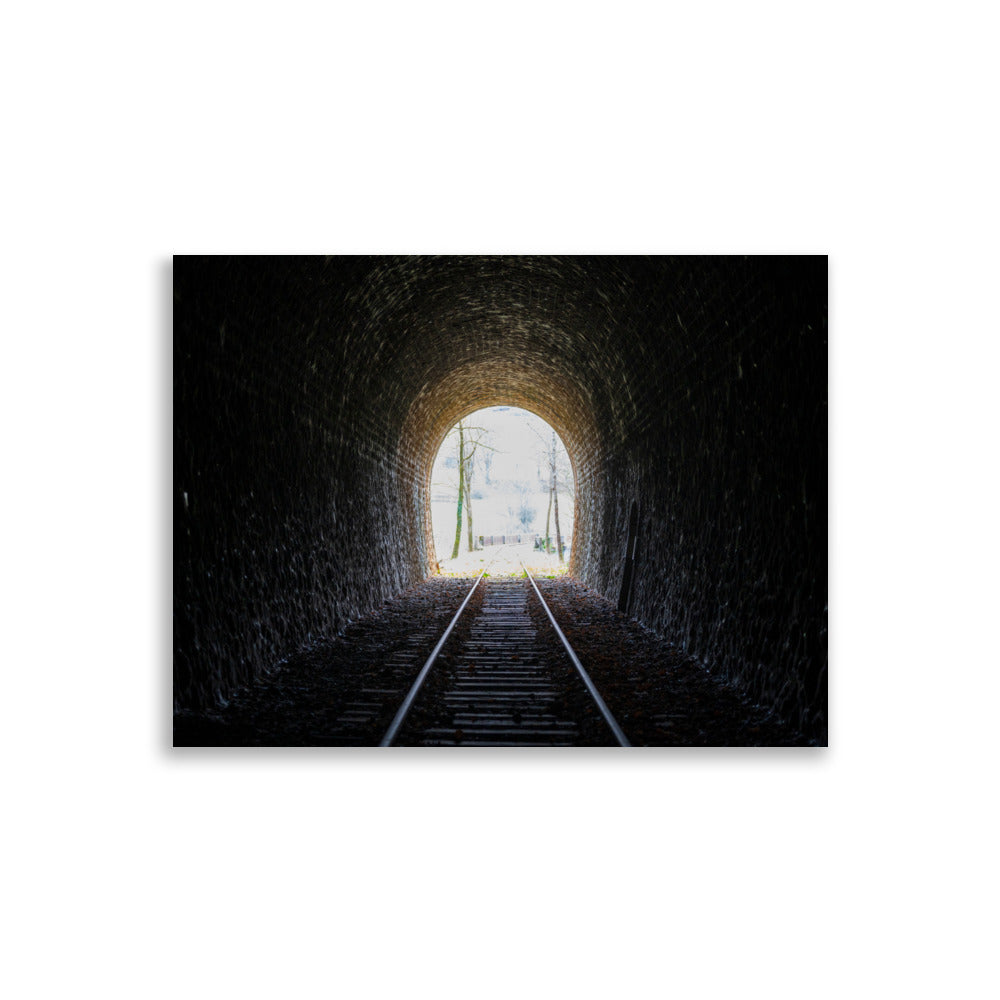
863,130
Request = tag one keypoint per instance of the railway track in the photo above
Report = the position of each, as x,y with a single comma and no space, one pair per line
509,679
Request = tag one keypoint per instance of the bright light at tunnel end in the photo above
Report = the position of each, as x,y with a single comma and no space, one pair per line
517,495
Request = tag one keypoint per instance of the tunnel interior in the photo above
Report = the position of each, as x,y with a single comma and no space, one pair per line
311,395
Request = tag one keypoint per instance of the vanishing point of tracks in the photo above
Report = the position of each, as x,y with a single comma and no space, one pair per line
513,680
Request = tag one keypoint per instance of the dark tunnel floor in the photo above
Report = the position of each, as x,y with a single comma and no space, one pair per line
345,691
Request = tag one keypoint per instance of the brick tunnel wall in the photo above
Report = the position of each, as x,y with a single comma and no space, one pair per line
311,395
727,461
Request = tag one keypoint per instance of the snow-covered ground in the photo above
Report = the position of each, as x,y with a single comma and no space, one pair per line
503,560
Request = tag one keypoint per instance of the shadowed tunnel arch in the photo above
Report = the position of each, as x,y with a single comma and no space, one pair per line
311,395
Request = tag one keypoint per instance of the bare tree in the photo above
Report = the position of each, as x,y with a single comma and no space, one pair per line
461,488
552,457
470,440
548,519
555,495
468,505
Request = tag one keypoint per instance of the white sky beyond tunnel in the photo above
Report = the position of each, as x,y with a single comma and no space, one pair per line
511,476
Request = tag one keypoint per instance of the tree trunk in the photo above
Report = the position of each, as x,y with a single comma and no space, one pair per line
468,507
461,490
555,498
559,545
548,519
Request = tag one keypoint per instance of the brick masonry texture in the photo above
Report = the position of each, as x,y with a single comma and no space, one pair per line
311,395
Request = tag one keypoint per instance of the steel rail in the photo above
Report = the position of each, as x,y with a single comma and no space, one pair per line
404,709
605,711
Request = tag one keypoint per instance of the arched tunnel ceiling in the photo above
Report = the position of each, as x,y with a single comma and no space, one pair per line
472,332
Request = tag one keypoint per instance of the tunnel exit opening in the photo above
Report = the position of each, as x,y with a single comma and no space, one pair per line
502,480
